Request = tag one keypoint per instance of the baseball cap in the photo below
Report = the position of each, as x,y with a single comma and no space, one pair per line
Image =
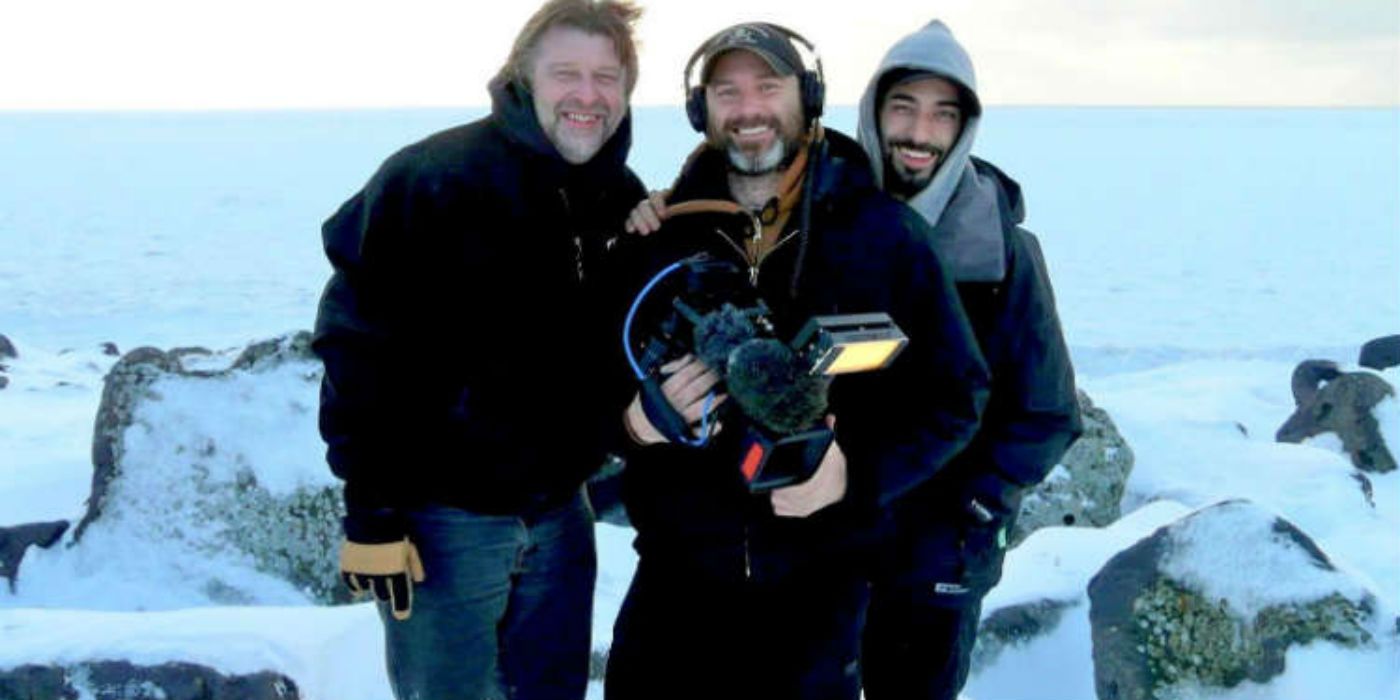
767,42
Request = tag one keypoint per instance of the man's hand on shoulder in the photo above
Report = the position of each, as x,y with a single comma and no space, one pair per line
646,218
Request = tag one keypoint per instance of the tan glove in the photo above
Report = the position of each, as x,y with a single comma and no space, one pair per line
387,571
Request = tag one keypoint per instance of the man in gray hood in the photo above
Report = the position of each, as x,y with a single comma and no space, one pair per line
918,118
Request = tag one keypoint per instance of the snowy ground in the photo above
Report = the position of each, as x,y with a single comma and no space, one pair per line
1197,256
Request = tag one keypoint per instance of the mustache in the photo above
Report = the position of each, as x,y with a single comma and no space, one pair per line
747,122
910,143
576,105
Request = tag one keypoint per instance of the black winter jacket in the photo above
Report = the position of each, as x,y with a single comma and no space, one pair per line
1031,419
462,330
864,252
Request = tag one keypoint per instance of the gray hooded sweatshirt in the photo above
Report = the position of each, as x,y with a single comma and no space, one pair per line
959,203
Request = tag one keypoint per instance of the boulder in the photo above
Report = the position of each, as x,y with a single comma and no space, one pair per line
1015,625
1381,353
220,458
16,540
1342,403
120,680
1086,487
7,349
1216,598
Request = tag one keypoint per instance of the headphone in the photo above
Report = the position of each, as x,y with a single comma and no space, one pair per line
811,84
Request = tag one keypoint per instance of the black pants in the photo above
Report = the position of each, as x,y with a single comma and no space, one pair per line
681,637
917,646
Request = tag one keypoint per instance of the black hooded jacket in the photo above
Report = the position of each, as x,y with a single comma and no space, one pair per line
462,330
864,252
1031,419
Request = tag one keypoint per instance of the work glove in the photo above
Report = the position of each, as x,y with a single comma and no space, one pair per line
376,560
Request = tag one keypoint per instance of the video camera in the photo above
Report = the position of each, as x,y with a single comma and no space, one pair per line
711,310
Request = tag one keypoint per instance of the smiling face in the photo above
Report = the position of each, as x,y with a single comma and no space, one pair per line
579,88
755,115
919,122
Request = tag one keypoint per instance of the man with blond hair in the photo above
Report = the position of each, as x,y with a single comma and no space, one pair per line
459,333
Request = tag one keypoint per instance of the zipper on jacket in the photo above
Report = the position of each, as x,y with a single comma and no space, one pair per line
578,240
748,563
755,262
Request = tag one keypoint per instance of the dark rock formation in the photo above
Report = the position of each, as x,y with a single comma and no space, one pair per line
1381,353
121,680
15,541
1016,625
1343,406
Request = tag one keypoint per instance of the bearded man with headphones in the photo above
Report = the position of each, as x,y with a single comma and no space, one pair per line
740,594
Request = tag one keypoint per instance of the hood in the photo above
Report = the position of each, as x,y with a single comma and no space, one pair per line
513,109
959,203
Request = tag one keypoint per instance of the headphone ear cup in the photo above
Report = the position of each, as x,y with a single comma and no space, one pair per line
813,96
695,108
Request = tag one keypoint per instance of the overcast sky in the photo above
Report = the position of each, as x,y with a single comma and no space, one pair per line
210,54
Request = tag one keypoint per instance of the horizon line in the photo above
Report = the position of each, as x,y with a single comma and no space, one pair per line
7,111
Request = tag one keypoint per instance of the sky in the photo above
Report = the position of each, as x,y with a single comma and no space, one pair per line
277,54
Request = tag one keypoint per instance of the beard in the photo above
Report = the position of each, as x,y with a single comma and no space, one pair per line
750,162
577,148
902,182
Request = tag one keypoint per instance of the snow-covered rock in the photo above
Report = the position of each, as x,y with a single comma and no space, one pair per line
1343,405
1215,599
214,462
120,680
1086,487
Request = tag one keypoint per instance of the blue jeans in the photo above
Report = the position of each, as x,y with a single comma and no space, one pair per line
505,610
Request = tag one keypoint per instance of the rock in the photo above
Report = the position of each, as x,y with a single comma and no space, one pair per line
121,680
122,389
7,349
1215,599
110,349
276,351
1015,625
4,381
1381,353
1367,489
15,541
1309,375
1086,488
1343,405
199,477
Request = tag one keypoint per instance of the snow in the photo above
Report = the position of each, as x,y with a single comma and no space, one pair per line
1197,255
1217,554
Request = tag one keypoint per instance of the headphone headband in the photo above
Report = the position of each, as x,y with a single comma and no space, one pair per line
812,83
